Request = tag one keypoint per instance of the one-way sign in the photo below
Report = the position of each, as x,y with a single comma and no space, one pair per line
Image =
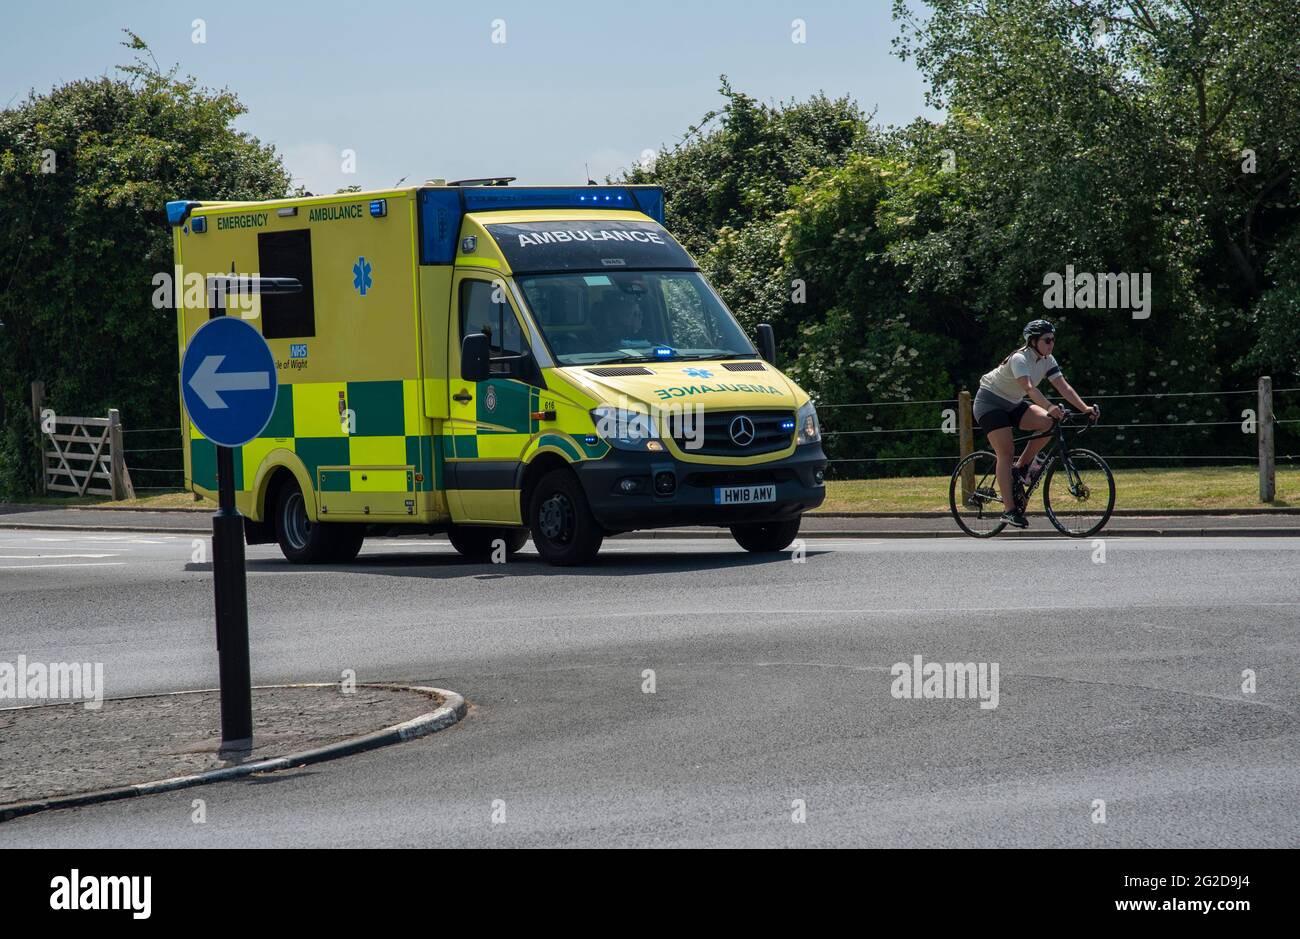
228,381
228,384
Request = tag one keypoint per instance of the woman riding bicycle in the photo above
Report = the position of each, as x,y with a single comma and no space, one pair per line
1000,408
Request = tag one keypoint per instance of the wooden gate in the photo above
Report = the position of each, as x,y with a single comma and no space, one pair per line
81,455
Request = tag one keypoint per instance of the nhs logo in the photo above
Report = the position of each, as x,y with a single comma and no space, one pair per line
298,350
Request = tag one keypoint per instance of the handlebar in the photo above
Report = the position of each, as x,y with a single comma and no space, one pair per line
1067,414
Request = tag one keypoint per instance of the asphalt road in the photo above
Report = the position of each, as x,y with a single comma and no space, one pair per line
1118,681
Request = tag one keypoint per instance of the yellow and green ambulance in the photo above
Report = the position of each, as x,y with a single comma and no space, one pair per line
492,361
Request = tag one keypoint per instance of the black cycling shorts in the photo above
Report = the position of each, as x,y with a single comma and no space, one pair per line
997,418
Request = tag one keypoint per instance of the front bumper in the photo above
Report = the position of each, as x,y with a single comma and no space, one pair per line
796,479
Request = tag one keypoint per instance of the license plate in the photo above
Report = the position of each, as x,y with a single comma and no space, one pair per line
743,495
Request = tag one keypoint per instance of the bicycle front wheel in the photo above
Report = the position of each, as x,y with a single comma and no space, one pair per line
973,495
1079,493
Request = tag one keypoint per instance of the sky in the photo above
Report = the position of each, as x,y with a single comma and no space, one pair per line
428,90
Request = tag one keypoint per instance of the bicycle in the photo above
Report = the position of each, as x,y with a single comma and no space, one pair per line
1072,506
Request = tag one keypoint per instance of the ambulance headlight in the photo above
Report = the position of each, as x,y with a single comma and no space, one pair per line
624,429
807,425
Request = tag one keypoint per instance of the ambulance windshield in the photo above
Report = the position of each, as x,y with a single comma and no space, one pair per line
629,316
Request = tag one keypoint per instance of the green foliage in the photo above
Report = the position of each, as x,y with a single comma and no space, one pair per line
738,174
1276,317
81,244
1110,136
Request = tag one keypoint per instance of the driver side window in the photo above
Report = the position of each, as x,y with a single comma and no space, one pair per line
483,308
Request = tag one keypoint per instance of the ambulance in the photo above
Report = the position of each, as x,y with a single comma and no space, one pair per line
492,362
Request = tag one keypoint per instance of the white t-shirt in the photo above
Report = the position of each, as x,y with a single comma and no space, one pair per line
1019,364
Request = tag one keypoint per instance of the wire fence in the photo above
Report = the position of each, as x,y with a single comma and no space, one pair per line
930,427
1135,429
148,465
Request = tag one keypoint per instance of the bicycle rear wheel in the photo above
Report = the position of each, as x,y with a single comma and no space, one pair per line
1079,497
977,506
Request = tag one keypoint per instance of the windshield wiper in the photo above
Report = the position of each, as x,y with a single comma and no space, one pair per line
720,358
625,357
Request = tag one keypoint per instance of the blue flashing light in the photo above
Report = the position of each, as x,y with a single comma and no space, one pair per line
497,198
650,200
590,440
378,208
665,352
198,224
179,211
440,215
787,425
441,209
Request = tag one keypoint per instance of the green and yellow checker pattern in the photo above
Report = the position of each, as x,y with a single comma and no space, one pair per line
381,451
507,430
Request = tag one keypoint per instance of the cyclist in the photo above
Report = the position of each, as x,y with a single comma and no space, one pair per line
1000,407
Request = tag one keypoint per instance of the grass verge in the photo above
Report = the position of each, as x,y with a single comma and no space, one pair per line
1212,487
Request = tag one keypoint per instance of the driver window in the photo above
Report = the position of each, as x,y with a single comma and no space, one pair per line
483,308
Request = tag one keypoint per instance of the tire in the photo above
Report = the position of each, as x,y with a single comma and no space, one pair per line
980,514
1071,515
766,537
303,541
477,543
564,531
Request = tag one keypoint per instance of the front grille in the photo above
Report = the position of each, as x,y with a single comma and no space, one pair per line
744,366
716,441
738,478
613,371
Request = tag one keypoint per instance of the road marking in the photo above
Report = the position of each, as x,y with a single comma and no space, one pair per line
51,557
900,611
29,567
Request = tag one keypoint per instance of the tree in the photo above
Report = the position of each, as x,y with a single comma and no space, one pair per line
85,173
739,172
1123,135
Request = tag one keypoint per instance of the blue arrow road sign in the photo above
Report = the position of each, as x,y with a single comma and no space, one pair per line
228,381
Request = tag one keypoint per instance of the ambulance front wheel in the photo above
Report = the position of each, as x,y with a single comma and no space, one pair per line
479,543
564,530
766,537
306,542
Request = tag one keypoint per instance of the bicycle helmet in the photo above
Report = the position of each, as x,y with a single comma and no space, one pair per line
1036,328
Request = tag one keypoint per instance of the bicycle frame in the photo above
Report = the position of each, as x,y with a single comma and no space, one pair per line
1058,444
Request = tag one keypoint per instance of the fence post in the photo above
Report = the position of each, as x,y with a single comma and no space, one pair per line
38,405
1267,476
966,436
121,481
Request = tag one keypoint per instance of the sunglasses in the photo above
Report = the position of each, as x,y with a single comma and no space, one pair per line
1050,340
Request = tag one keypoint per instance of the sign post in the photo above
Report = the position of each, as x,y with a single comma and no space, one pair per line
228,384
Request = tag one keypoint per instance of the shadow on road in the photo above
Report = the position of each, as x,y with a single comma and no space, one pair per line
442,566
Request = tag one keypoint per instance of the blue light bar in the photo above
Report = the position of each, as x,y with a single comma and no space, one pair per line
179,211
441,209
664,352
497,198
440,214
378,208
650,200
